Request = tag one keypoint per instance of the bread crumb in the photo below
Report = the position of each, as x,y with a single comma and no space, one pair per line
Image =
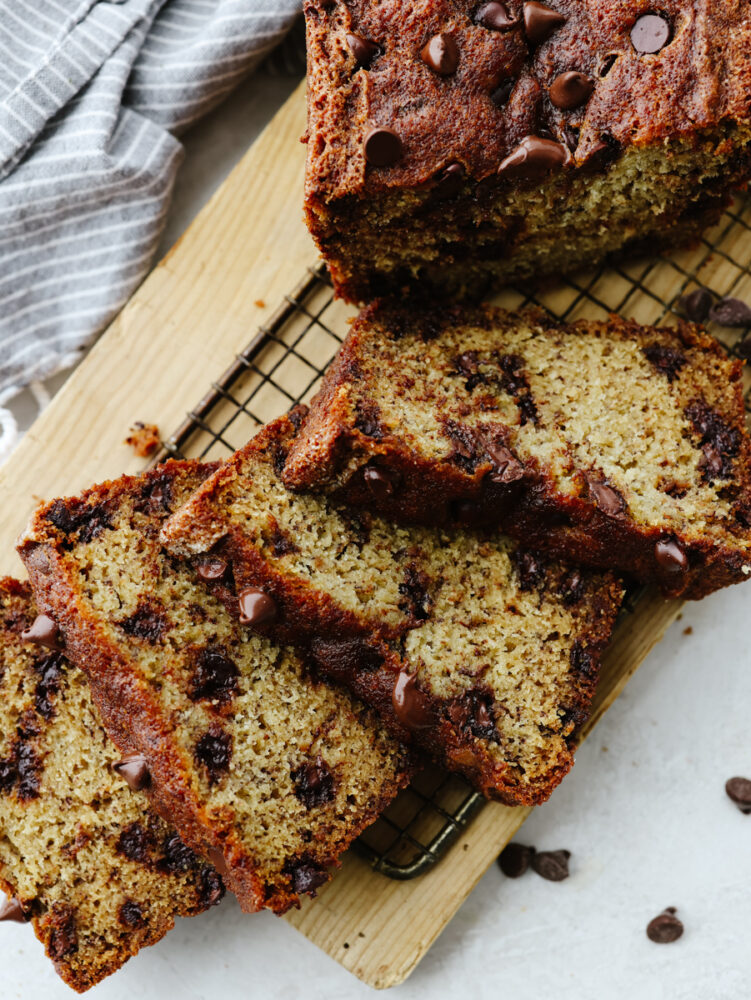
688,630
144,438
260,304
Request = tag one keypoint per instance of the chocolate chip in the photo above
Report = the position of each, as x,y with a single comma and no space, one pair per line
696,305
514,859
211,567
134,770
650,33
368,419
43,632
530,569
551,865
214,751
473,712
495,16
381,482
541,21
667,360
64,937
671,557
739,790
145,623
383,147
21,771
502,92
362,49
731,312
218,860
306,875
570,90
216,676
11,910
665,928
533,157
131,914
135,843
441,54
743,348
572,588
507,467
257,607
212,887
178,858
719,442
75,518
449,182
415,590
411,706
50,669
606,497
581,660
314,783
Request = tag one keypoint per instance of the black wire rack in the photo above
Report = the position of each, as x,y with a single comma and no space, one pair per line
285,360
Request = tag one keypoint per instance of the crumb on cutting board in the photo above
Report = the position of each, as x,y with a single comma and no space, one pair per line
143,438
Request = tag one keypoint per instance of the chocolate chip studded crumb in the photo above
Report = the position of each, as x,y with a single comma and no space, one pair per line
144,439
665,928
739,791
515,859
551,865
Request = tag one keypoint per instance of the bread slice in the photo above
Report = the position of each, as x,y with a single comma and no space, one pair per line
265,771
482,653
82,856
604,443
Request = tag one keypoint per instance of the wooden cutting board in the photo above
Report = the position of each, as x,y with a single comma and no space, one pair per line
197,309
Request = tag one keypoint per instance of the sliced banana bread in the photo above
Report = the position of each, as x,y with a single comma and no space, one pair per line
265,771
485,654
605,443
82,856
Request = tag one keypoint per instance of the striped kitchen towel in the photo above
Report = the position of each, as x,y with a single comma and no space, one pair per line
92,96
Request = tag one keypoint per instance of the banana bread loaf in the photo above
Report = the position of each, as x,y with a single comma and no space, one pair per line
604,443
82,856
484,654
265,771
455,143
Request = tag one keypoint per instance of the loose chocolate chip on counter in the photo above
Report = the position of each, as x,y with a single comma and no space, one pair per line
495,16
314,783
671,556
11,910
362,49
411,706
551,865
743,348
507,467
257,607
383,148
739,790
502,92
449,181
570,90
381,482
134,770
211,567
541,21
441,54
43,632
696,305
731,312
606,497
535,156
665,928
514,859
650,33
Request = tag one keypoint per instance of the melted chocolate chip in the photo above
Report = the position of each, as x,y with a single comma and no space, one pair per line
720,443
530,569
570,90
507,467
306,875
671,557
76,519
131,915
582,661
696,305
665,928
731,312
415,591
43,632
411,706
502,92
281,543
134,770
156,495
212,887
441,54
650,33
514,859
606,497
449,182
495,16
534,157
214,751
64,937
465,449
135,843
383,147
11,910
541,21
211,567
474,713
739,791
468,364
21,771
551,865
362,49
572,588
314,783
257,607
515,383
50,669
216,676
368,419
381,482
145,623
667,360
177,857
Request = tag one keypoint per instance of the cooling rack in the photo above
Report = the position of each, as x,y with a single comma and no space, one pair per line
286,358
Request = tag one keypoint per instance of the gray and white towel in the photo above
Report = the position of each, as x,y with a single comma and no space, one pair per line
92,96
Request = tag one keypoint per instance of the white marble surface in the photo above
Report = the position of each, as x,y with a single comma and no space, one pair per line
644,814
